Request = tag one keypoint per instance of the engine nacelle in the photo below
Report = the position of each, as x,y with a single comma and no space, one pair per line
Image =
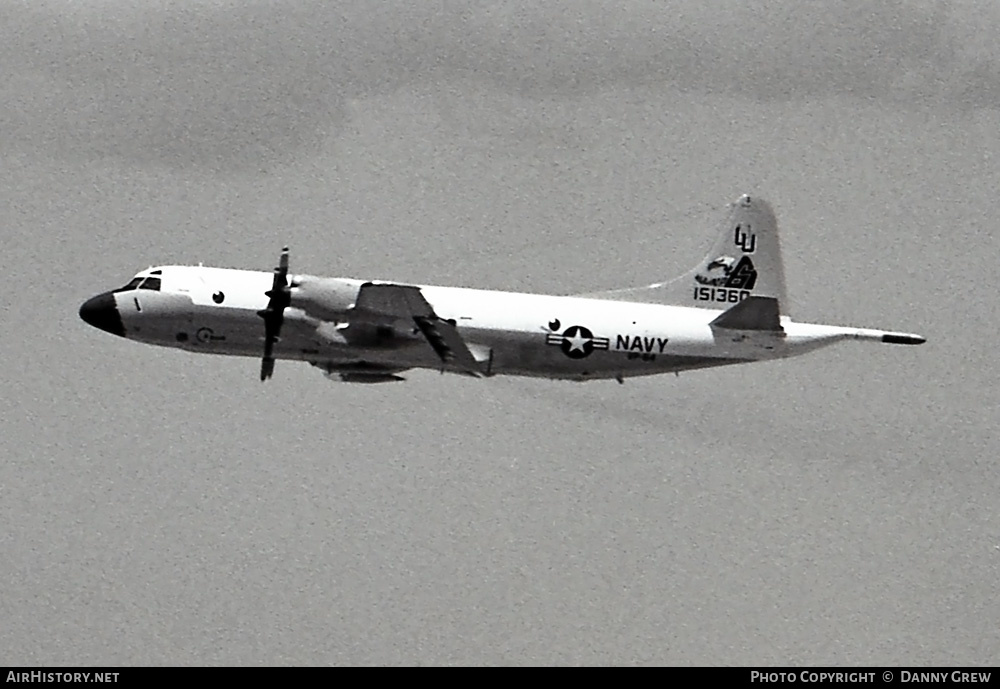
327,299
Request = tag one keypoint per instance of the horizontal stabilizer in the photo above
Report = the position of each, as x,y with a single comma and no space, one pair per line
753,313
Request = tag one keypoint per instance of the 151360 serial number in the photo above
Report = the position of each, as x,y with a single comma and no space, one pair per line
723,295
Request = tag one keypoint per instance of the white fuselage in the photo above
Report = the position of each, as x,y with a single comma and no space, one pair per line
215,311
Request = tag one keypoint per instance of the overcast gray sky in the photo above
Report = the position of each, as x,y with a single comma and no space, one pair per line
161,508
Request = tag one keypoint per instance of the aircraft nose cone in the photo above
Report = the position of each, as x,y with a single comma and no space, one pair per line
101,312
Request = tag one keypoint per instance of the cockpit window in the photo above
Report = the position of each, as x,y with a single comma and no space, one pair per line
141,283
134,284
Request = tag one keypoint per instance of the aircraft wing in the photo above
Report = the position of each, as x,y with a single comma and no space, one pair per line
396,301
407,301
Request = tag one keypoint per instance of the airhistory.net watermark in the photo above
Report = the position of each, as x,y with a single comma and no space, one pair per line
68,677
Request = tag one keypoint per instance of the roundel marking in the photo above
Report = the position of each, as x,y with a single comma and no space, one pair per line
578,342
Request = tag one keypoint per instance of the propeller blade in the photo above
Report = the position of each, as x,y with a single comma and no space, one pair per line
274,314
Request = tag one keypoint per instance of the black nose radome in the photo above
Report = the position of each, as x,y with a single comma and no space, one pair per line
101,312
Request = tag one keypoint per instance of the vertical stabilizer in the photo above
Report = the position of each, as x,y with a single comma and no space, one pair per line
745,262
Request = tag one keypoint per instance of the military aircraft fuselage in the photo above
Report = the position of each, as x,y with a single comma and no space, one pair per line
216,311
730,309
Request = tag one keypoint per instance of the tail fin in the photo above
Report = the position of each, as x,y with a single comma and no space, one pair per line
745,262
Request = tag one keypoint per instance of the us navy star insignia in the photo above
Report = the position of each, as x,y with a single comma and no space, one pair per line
577,342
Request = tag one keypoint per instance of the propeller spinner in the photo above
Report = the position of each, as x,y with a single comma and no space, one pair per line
274,314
